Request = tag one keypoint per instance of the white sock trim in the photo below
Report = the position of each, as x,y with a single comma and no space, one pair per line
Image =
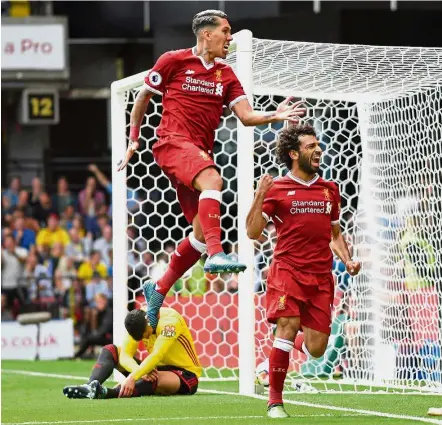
306,352
283,344
199,246
211,194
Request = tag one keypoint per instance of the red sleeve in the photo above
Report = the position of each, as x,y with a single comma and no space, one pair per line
269,205
235,92
157,78
336,209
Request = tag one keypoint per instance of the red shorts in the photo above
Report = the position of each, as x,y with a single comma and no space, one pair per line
291,293
182,161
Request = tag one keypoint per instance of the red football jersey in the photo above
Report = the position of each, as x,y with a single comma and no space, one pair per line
194,93
303,213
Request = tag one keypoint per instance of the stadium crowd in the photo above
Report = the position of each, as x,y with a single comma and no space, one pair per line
57,252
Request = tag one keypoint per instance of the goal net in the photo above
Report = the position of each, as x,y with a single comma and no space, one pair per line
377,111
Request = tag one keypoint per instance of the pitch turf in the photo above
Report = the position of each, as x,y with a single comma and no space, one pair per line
38,399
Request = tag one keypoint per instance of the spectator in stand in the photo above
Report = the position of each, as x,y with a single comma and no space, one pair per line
102,179
97,285
78,224
23,203
67,217
13,258
93,264
52,234
12,192
24,237
102,221
91,199
65,273
104,244
43,209
6,310
56,256
7,210
63,197
74,302
36,191
38,281
110,267
103,335
78,248
132,204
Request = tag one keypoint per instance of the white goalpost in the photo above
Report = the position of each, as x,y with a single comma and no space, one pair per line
377,112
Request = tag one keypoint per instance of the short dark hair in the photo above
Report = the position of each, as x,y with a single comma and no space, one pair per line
288,140
206,18
136,323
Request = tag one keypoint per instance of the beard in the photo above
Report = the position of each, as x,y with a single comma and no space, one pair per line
305,164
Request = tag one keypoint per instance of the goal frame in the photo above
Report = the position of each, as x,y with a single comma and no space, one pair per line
243,46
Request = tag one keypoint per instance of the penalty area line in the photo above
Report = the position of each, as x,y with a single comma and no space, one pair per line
361,412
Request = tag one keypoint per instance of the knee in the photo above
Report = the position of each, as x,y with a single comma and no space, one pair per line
215,181
317,348
210,180
287,328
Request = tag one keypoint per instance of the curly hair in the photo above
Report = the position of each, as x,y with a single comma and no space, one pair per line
135,324
206,18
288,140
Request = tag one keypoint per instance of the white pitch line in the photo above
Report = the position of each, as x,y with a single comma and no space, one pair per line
259,397
189,418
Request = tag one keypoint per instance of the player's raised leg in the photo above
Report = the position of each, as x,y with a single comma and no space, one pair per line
210,184
187,253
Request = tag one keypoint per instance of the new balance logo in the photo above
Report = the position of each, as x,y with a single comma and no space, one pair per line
189,72
291,192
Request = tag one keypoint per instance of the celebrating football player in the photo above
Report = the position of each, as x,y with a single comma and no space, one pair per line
305,210
195,84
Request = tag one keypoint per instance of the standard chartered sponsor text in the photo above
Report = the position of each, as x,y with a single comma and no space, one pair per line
202,86
309,207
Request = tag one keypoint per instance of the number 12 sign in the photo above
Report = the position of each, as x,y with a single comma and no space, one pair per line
39,107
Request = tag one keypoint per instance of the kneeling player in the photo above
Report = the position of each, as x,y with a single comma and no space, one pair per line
300,287
172,366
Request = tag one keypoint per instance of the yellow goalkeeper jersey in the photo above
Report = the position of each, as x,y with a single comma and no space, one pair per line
172,345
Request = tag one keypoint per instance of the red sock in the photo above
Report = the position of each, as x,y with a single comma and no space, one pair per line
182,260
278,365
209,212
298,341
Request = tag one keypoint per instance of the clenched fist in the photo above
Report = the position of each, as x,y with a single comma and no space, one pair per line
265,184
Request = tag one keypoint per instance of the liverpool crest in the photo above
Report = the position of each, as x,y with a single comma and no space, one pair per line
218,75
281,302
327,194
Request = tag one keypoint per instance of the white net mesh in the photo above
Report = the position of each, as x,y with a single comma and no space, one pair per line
385,154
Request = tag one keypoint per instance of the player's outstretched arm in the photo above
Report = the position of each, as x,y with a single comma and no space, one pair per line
136,118
286,111
340,248
255,221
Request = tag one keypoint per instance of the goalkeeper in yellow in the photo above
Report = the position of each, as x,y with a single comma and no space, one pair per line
171,367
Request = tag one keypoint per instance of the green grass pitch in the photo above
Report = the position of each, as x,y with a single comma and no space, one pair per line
36,399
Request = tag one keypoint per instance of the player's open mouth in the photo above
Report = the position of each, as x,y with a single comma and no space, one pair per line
316,161
226,48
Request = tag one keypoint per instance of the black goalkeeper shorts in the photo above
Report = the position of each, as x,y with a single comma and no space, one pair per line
189,381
